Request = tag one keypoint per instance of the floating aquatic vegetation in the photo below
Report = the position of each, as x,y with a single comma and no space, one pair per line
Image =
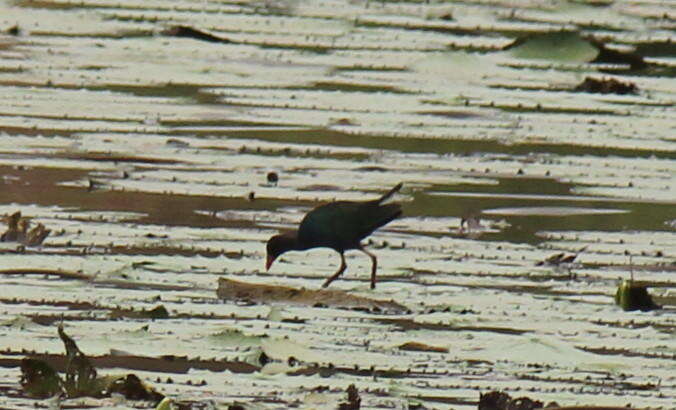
40,380
557,259
158,312
495,400
633,296
12,233
353,400
19,230
565,46
606,86
186,31
229,289
422,347
342,100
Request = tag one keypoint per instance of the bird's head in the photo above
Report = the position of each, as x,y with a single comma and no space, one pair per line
279,244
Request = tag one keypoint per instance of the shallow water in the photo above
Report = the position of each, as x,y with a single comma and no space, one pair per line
140,151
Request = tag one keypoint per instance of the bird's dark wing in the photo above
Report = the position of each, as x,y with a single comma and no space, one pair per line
341,225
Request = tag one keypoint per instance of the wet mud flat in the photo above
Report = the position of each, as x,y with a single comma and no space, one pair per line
142,134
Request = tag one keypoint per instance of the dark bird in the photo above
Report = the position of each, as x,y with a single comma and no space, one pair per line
339,225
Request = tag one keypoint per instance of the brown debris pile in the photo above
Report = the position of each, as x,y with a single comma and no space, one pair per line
353,400
19,230
496,400
502,401
606,86
422,347
190,32
40,380
260,293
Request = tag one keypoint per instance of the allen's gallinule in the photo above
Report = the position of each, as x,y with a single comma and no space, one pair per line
339,225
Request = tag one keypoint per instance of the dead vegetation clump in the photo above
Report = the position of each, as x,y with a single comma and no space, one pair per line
422,347
496,400
229,289
19,230
606,86
353,400
190,32
40,380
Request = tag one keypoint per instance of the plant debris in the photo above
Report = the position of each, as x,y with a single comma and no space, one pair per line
229,289
13,30
612,56
574,44
353,400
496,400
158,312
18,230
40,380
557,259
189,32
606,86
634,296
422,347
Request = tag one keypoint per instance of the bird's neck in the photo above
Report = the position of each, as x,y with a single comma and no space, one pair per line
291,242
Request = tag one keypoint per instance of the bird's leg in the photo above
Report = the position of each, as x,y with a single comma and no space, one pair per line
374,266
340,270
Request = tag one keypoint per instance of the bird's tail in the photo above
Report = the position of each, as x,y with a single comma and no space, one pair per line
390,192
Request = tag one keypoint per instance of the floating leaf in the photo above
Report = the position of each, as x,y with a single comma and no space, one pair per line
495,400
565,46
158,312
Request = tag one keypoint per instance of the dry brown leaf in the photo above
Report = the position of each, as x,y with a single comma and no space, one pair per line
260,293
422,347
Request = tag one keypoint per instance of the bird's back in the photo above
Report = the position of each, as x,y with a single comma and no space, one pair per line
342,225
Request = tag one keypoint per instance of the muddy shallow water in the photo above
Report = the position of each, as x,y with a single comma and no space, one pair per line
145,151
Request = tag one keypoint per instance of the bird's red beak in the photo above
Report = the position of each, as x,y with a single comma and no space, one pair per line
268,262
